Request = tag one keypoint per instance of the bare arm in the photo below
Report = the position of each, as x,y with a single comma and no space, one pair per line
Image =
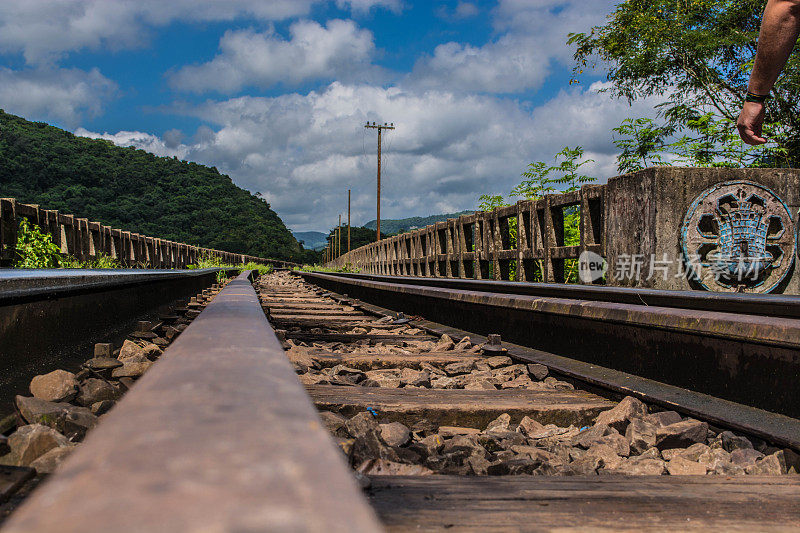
780,27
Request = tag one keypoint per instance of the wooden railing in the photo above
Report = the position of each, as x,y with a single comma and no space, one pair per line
86,240
484,245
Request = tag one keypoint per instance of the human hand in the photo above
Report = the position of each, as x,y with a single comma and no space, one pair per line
750,121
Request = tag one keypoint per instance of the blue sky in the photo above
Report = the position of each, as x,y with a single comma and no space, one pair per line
275,92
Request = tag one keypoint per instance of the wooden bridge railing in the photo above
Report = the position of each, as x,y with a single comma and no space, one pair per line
525,241
643,226
86,240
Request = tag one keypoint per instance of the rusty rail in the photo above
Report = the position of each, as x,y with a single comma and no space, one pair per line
218,436
87,240
742,358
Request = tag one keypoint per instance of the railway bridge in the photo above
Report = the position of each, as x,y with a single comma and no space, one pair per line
493,372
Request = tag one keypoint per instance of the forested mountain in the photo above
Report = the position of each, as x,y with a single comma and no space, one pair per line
404,224
311,240
137,191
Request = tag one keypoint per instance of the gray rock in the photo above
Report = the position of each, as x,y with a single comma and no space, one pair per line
592,435
395,434
479,384
683,467
745,456
465,445
522,465
131,369
497,361
616,442
731,441
57,386
103,363
445,344
478,465
447,432
384,467
663,418
94,390
771,465
152,351
641,435
362,424
131,349
604,456
416,378
460,367
28,443
333,422
519,382
428,446
638,466
101,407
68,419
48,462
681,434
619,417
714,458
528,426
463,344
692,453
538,371
500,423
351,375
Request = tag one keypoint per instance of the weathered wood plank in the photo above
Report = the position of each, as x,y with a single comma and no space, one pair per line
611,503
459,407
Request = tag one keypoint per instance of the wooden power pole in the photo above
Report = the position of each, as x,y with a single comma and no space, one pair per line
380,128
339,250
348,220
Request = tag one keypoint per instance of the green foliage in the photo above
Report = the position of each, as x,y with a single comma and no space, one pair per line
137,191
537,183
359,236
261,269
35,249
695,55
641,141
347,268
101,261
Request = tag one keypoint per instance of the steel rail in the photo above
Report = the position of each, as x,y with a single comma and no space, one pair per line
218,436
738,359
774,305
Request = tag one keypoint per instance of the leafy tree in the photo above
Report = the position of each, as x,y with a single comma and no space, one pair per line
696,55
137,191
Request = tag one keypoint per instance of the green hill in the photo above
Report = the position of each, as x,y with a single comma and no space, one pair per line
404,224
137,191
312,240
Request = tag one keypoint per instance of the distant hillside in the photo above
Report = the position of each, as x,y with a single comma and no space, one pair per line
137,191
405,224
312,240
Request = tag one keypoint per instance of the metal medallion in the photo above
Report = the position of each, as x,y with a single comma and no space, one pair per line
738,236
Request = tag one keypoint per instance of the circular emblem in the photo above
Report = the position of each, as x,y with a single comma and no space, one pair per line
738,236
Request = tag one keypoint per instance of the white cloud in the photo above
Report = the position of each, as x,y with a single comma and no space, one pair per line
366,5
64,95
249,58
138,139
448,148
531,37
43,30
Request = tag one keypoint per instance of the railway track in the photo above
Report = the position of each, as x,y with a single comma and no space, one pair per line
285,406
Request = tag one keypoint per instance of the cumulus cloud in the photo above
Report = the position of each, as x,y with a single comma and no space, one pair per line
249,58
64,95
531,37
138,139
448,148
43,30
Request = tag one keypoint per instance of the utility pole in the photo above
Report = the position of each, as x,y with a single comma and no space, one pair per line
339,252
380,128
348,220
